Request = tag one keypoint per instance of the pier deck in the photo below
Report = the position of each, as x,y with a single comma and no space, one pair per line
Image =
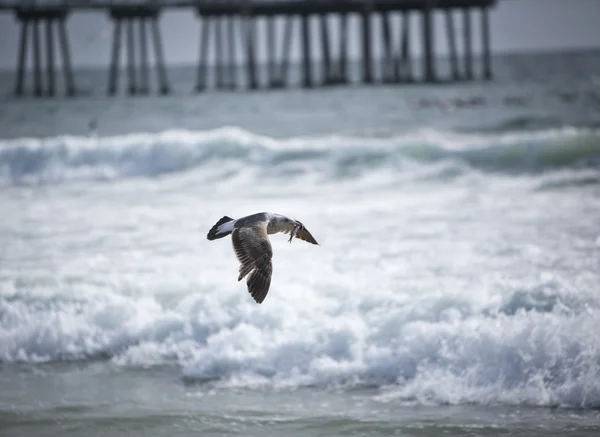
229,27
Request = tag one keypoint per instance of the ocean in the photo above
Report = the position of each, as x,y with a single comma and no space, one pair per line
455,290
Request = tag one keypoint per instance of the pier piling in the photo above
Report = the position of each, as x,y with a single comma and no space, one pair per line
286,47
367,62
343,55
428,39
250,53
231,26
20,79
37,60
468,55
160,60
394,61
219,61
328,78
66,57
202,72
21,60
131,58
144,69
113,78
127,15
405,60
485,35
41,22
50,58
389,73
452,52
271,47
306,64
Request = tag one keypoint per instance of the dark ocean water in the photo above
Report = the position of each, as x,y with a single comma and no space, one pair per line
455,290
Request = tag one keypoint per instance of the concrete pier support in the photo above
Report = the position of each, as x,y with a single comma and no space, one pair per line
219,59
220,34
286,48
485,42
20,75
428,43
306,55
231,54
389,70
367,61
251,54
33,21
343,55
144,86
128,15
113,75
452,51
328,73
66,58
131,58
51,84
202,72
271,52
37,60
405,59
161,70
468,55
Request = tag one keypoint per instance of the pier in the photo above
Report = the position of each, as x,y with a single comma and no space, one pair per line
228,30
31,21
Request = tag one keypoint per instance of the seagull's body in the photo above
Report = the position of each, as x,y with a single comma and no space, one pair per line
249,236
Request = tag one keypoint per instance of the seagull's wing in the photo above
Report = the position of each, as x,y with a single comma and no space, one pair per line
253,250
303,234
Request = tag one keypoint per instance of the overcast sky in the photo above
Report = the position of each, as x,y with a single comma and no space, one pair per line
516,26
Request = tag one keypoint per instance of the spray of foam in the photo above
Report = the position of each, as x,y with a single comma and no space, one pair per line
449,350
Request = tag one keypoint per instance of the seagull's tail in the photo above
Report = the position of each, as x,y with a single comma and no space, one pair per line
221,229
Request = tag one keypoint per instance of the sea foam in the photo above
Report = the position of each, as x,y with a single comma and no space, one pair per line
429,350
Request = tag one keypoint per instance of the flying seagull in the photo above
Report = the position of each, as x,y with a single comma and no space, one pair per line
249,236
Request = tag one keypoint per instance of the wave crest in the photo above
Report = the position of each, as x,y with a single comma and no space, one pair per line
67,158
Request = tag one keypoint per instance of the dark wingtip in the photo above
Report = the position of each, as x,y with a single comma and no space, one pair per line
212,234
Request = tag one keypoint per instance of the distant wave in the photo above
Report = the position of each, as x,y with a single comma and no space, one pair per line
31,161
523,123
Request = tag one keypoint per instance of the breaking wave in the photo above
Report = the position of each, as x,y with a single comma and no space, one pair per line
535,347
29,161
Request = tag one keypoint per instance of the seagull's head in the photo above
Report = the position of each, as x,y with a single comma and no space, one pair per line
286,224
